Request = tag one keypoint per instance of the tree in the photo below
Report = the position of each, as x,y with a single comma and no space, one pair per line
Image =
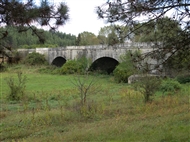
112,38
87,38
147,85
112,34
178,64
130,13
85,86
162,29
27,40
26,15
78,40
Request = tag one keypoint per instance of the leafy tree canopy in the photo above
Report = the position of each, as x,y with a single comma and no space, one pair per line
87,38
169,39
27,40
161,30
26,15
112,34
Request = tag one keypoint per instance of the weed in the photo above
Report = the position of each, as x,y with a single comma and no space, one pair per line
17,88
147,85
85,86
170,86
115,113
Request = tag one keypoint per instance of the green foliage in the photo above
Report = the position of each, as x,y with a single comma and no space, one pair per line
87,38
17,87
121,73
162,29
85,63
15,59
86,86
72,67
125,68
111,34
24,16
3,67
168,34
184,79
116,113
179,62
28,41
78,66
147,85
35,59
32,46
90,110
170,86
113,38
49,70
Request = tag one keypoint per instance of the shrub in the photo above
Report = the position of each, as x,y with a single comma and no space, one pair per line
147,85
15,59
78,66
3,67
126,67
183,79
71,67
17,88
84,62
90,109
35,59
170,86
85,86
121,73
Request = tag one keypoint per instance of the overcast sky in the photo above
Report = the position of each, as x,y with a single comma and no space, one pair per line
83,16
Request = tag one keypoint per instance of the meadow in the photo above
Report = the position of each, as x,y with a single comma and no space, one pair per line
50,110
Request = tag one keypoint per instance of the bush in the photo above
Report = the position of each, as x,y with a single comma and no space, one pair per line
17,88
84,62
90,109
126,68
78,66
15,59
147,85
183,79
71,67
35,59
121,73
3,67
170,86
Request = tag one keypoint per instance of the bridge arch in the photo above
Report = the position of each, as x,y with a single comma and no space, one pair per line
59,61
104,64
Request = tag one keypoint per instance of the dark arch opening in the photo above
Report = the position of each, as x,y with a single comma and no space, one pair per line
59,61
104,64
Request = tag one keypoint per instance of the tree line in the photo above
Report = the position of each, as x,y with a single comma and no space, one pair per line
107,35
28,40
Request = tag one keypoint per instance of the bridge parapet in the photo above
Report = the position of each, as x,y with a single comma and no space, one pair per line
93,52
117,46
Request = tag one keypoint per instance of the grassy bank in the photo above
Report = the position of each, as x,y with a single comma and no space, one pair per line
51,111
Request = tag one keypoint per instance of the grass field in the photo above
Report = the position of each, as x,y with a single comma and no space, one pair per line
50,111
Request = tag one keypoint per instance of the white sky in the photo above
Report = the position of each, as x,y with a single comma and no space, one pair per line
83,16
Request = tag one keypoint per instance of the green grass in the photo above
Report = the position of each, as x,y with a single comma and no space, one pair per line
51,112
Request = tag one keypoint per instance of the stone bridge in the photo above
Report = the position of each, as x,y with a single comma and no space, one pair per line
100,55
